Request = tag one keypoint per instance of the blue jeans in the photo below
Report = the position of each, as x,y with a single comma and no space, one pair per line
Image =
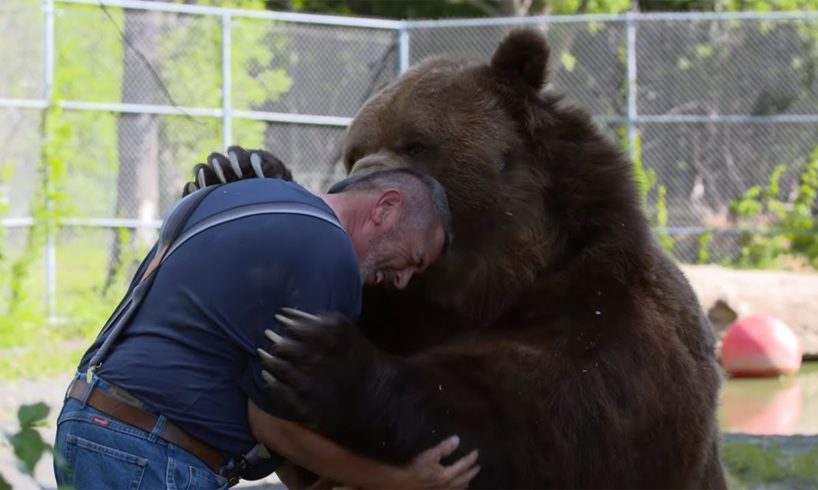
92,450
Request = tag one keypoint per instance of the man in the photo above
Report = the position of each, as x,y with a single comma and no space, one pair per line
178,399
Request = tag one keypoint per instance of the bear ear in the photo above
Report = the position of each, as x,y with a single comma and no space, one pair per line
523,53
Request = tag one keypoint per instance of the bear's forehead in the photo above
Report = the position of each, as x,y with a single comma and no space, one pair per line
433,94
437,67
428,79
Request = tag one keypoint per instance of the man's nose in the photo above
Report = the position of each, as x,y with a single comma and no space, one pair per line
402,279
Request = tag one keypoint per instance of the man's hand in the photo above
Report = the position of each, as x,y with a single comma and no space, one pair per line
426,471
322,456
237,165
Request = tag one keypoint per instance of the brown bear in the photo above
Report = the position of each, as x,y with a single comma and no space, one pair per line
555,336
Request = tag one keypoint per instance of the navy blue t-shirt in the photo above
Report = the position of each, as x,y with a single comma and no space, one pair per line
190,349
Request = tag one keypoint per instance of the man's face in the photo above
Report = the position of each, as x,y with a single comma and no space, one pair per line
395,256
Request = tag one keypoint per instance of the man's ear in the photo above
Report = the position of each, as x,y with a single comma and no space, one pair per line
386,209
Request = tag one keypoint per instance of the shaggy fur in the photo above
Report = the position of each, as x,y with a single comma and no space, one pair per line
556,337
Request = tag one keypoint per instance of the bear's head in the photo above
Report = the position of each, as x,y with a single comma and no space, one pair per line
531,183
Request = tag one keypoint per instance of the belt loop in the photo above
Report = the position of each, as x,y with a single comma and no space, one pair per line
157,428
70,385
91,386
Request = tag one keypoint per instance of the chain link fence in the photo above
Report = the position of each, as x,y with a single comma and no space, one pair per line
107,108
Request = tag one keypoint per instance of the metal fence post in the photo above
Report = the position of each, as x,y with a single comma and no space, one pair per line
227,81
50,246
630,30
403,48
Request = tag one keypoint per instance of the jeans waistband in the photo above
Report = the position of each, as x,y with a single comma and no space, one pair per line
115,391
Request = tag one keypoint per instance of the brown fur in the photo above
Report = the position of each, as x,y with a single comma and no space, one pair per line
557,337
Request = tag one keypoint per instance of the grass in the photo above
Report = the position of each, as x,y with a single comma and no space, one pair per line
32,347
40,361
763,462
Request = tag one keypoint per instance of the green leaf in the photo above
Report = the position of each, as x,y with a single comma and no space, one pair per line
28,447
704,51
568,61
4,485
31,415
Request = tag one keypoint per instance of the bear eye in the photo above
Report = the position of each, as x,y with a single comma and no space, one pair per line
415,149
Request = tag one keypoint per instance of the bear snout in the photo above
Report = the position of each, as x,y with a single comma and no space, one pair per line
375,162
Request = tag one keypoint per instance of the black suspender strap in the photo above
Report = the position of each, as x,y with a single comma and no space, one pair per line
171,238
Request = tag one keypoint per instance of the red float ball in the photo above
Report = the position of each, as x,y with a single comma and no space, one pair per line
760,346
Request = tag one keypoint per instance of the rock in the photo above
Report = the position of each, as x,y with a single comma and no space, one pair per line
771,462
726,294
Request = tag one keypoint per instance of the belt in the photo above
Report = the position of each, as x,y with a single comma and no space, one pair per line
134,416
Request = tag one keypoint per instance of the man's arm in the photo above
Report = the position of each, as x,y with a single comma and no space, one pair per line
326,458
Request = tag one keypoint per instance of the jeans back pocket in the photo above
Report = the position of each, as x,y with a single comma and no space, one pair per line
95,465
182,475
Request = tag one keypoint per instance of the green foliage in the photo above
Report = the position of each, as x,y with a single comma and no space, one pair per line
765,5
259,74
425,9
27,443
39,357
6,173
704,247
747,204
665,239
405,9
187,58
646,181
645,177
80,58
22,311
764,463
779,226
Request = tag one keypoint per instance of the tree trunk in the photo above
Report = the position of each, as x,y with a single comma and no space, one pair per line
137,140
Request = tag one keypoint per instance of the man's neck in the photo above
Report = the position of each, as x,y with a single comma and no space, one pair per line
351,216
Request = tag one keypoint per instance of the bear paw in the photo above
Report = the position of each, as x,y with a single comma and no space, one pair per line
316,369
239,164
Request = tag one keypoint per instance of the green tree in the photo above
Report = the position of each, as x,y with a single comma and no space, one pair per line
112,159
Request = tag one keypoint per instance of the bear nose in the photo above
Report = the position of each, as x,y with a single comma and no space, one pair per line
373,163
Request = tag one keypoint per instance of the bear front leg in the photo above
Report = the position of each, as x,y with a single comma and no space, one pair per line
333,380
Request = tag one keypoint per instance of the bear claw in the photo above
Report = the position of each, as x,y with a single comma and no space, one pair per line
300,314
270,379
265,356
276,338
287,322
